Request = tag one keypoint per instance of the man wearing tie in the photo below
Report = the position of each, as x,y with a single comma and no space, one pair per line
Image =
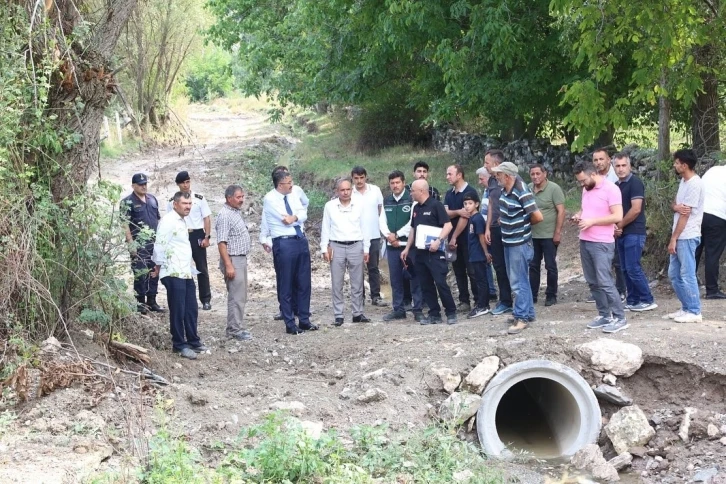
283,216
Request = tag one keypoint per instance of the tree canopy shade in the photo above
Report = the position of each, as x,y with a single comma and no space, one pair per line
452,60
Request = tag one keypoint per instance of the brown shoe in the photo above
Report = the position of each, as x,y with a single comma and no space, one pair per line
518,326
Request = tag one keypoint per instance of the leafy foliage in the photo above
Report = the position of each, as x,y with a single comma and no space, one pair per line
209,76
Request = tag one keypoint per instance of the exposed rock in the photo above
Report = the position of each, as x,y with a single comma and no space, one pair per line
198,398
50,346
722,440
705,475
313,429
590,459
712,431
616,357
374,374
685,428
449,378
627,428
621,461
610,379
372,395
612,395
295,408
460,406
477,379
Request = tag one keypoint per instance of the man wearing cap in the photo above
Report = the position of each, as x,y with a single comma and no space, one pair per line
141,209
173,258
517,213
199,226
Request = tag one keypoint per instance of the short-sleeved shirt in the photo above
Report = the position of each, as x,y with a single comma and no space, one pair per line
141,214
596,203
476,226
431,212
232,230
515,208
454,200
632,188
692,194
547,200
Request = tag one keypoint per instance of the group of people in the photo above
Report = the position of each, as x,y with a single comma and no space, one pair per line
506,231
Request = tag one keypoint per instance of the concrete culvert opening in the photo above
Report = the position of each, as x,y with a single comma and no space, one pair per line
539,407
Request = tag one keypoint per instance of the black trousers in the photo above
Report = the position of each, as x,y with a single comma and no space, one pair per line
431,270
374,273
543,248
713,243
463,270
293,277
183,312
482,284
141,265
199,255
619,277
500,267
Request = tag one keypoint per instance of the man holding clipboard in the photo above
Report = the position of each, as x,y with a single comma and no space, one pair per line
430,226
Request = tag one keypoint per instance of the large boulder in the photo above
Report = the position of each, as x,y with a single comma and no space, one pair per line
459,407
477,379
613,356
613,395
591,460
627,428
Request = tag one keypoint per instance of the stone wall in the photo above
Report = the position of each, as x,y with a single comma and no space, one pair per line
557,159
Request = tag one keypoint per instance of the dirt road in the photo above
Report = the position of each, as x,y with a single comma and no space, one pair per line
323,370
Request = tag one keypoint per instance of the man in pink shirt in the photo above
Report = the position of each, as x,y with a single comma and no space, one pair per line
602,208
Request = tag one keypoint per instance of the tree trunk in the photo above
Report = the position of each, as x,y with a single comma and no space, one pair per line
664,124
606,138
82,88
705,125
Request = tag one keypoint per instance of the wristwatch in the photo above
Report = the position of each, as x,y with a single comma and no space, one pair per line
207,236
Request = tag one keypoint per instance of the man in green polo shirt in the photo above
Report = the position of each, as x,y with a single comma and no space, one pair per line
546,235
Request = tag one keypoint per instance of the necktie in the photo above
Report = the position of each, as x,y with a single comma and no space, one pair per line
298,231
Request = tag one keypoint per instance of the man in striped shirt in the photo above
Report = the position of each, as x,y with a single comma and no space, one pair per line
517,213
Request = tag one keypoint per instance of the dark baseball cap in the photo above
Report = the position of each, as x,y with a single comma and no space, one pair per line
139,179
182,176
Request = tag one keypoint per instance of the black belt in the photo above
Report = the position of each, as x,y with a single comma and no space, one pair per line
194,230
238,255
284,237
346,242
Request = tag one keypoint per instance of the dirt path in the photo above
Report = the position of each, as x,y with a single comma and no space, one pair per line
235,384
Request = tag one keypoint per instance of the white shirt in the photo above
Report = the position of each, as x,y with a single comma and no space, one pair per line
612,176
692,194
200,211
273,211
372,202
343,224
714,181
300,193
172,250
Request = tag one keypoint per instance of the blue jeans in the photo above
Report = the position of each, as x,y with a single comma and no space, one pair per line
517,259
682,273
630,248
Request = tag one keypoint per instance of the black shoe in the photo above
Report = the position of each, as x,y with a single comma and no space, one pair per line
431,320
394,315
153,306
278,317
418,317
206,306
243,336
294,330
551,301
378,301
199,349
361,319
309,327
716,295
492,297
142,309
338,322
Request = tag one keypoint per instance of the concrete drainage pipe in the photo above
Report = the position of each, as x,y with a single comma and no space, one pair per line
539,407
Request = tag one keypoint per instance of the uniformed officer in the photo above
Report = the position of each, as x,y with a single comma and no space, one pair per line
199,225
141,209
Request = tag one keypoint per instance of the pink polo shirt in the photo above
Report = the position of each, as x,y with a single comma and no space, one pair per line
596,203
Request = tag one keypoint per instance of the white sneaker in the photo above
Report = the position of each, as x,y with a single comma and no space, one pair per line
689,318
677,314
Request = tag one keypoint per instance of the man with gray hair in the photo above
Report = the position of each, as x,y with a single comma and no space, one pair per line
343,243
233,241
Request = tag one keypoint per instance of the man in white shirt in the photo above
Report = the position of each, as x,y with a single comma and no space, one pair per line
371,201
687,217
199,227
343,244
282,233
713,228
264,232
173,258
